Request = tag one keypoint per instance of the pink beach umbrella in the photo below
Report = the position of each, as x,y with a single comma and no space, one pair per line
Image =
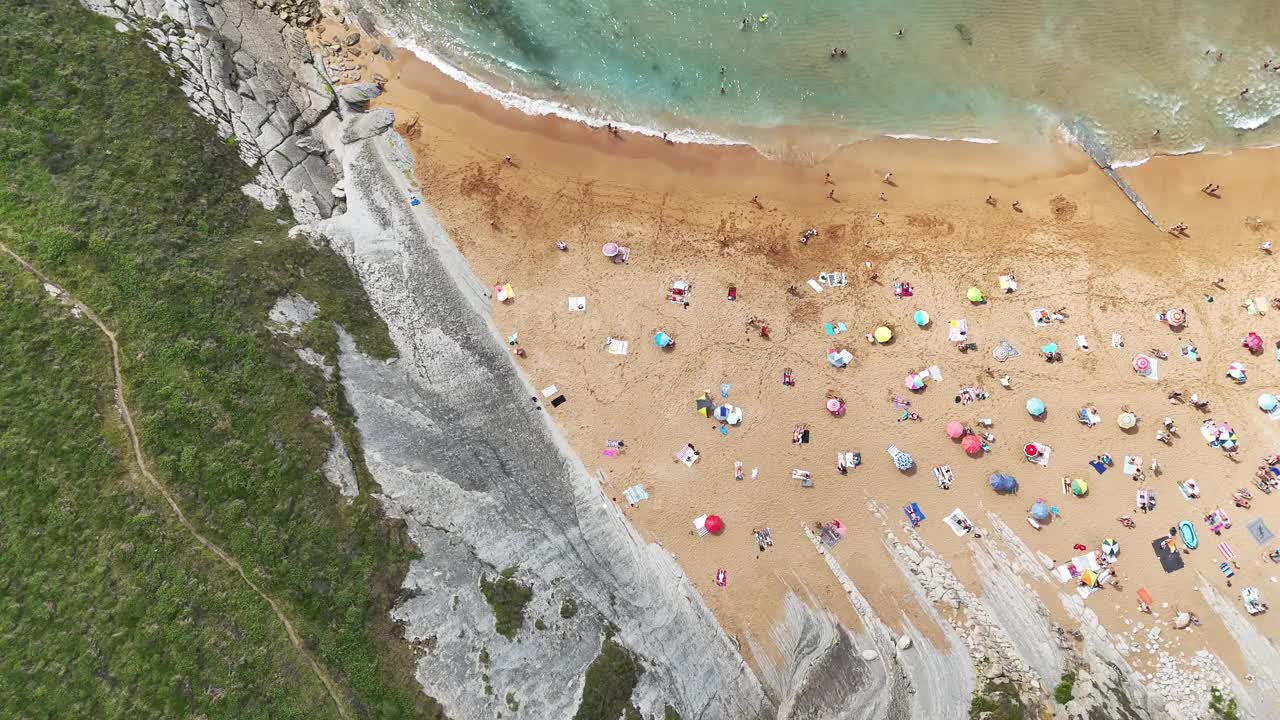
1253,341
971,444
1175,317
954,429
1142,364
610,249
835,407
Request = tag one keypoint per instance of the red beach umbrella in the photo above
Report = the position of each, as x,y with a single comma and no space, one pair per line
971,444
714,524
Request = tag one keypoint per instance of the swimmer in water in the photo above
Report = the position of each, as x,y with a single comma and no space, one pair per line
899,32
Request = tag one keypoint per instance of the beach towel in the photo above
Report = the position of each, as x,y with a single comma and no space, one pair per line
914,514
1226,569
1043,458
1008,284
1170,560
1116,340
687,455
1040,317
616,347
1132,464
1225,549
1089,417
635,494
1260,533
814,284
942,474
834,279
959,331
953,521
504,292
722,577
1189,352
1098,465
577,304
835,328
1082,343
549,390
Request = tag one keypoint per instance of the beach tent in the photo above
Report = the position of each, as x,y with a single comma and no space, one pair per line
921,318
1040,511
713,524
971,444
705,406
955,429
1002,483
1035,406
1079,487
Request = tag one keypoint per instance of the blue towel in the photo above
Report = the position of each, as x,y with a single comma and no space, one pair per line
724,390
1101,467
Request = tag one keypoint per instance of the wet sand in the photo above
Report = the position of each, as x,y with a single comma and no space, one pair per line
685,213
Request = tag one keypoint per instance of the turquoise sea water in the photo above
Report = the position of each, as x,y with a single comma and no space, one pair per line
977,69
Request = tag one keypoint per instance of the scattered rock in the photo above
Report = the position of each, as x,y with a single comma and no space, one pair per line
904,642
869,655
339,189
358,93
352,39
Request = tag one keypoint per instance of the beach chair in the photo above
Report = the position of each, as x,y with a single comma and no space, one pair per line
624,254
958,331
942,474
1032,522
814,284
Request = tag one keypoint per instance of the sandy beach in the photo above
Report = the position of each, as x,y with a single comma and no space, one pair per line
1075,243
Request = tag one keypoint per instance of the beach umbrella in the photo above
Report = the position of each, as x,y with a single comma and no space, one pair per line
1031,450
1039,511
1236,372
713,524
1141,364
1088,578
883,334
1267,402
971,444
1003,483
610,249
1182,620
974,295
914,381
921,318
903,461
834,406
661,339
1079,487
1126,420
954,429
1051,348
1253,341
1035,406
1175,317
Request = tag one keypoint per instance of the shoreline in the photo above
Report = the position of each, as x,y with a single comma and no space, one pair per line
835,138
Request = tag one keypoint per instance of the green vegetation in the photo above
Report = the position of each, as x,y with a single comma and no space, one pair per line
484,656
539,625
1222,705
632,713
669,713
610,680
512,702
1062,693
1001,700
568,608
507,598
111,186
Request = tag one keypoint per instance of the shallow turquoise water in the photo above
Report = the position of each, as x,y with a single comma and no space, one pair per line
997,69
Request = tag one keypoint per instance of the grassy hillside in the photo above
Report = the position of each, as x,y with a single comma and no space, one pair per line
111,186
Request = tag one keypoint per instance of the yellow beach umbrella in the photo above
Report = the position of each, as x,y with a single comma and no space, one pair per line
883,334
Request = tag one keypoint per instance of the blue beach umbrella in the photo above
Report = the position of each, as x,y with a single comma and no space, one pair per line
921,318
903,461
1002,483
662,339
1040,511
1267,402
1035,406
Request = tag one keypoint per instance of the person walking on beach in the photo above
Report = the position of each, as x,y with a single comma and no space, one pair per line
883,198
509,161
888,179
991,200
1017,206
831,194
755,200
828,180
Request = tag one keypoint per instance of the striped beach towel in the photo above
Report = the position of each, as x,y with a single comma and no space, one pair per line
1225,549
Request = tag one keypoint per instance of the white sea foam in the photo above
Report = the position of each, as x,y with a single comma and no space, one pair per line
912,136
592,117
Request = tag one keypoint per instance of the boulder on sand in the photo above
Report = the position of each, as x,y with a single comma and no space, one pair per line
358,93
